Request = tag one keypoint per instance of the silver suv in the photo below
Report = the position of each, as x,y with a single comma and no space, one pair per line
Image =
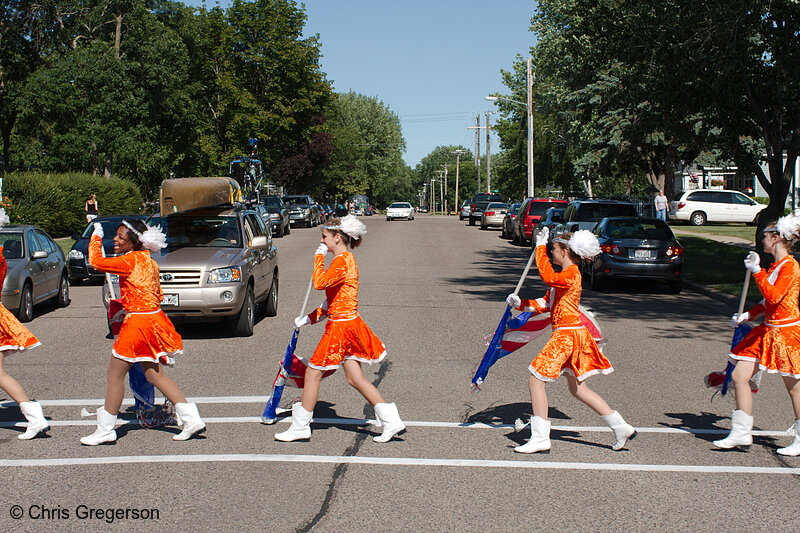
219,263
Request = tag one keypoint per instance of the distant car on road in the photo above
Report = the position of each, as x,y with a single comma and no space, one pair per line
278,215
37,270
529,214
636,248
400,210
302,209
479,203
464,212
508,220
714,205
493,215
77,266
550,219
585,214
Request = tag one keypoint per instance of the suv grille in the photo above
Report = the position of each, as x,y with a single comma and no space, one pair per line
181,278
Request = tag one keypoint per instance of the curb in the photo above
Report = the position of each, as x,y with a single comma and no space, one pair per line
720,296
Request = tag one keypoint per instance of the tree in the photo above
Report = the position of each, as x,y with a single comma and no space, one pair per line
433,165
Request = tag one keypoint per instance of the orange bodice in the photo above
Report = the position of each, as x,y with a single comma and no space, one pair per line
780,286
563,300
340,283
138,276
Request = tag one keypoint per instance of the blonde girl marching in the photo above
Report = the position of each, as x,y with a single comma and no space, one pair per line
571,348
347,340
774,345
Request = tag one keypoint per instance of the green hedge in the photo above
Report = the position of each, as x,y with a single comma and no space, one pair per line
55,202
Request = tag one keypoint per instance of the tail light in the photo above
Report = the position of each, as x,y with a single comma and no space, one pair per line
472,207
513,217
681,205
612,249
674,251
489,213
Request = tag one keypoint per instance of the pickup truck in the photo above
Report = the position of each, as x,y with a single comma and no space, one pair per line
479,203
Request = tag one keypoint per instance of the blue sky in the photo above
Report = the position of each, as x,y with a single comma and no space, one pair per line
431,62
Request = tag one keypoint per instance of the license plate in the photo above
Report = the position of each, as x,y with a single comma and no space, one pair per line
170,299
641,254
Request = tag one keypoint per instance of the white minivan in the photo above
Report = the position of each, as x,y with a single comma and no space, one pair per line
714,205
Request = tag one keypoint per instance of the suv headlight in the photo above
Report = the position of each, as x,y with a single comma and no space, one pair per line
225,275
75,254
306,211
275,215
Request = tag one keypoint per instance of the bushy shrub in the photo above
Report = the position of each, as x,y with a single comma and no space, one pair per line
55,202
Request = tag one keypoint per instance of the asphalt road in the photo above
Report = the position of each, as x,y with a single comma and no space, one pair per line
431,289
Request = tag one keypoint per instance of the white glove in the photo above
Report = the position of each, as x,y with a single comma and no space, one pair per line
301,321
321,249
98,230
752,262
543,236
513,300
738,319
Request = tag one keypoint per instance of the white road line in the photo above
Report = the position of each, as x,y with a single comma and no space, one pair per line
420,423
396,461
85,402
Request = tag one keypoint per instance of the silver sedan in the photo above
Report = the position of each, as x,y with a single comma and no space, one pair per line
493,215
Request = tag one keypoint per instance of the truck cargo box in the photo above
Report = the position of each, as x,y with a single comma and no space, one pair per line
183,194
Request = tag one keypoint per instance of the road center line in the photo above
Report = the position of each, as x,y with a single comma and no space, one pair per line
396,461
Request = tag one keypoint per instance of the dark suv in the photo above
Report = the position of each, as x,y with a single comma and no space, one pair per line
479,203
278,215
585,214
302,209
529,214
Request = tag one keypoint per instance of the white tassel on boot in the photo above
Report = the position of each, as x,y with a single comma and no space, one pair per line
192,423
37,423
105,432
390,418
301,425
794,448
540,437
741,432
623,432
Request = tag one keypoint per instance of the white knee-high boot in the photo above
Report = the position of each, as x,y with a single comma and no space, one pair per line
37,423
105,432
390,418
540,437
741,431
192,423
794,448
623,432
301,425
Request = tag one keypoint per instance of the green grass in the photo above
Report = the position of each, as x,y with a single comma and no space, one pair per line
65,243
716,265
726,230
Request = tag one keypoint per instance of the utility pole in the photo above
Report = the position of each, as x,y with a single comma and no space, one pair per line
530,127
441,196
488,156
477,158
446,204
458,164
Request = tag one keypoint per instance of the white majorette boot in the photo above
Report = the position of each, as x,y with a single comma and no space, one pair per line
794,448
741,432
390,418
105,432
301,425
540,437
36,420
192,423
623,432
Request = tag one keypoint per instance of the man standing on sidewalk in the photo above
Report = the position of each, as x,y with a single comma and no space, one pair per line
661,205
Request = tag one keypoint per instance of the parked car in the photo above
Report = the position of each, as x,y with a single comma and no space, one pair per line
529,214
494,214
340,210
479,203
400,210
550,219
714,205
37,270
278,215
302,209
585,214
508,220
464,212
79,270
262,212
219,263
636,248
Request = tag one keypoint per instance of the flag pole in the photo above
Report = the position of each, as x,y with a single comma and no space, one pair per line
745,288
527,269
730,366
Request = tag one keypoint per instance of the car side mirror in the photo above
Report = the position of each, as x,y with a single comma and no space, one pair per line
39,254
259,242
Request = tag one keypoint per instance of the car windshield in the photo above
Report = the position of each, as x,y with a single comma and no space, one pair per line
196,231
109,228
295,200
271,201
486,197
557,215
538,208
12,245
496,205
638,229
400,205
514,209
595,212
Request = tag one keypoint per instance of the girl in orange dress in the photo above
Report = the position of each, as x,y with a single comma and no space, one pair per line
147,335
14,337
774,345
347,340
571,348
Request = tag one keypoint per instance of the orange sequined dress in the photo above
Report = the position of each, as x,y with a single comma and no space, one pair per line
147,334
346,335
775,344
571,347
13,335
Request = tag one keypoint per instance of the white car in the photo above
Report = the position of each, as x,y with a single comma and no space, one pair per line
714,205
400,210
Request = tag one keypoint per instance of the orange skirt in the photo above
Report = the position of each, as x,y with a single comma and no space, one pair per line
776,350
346,339
148,337
13,335
570,350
